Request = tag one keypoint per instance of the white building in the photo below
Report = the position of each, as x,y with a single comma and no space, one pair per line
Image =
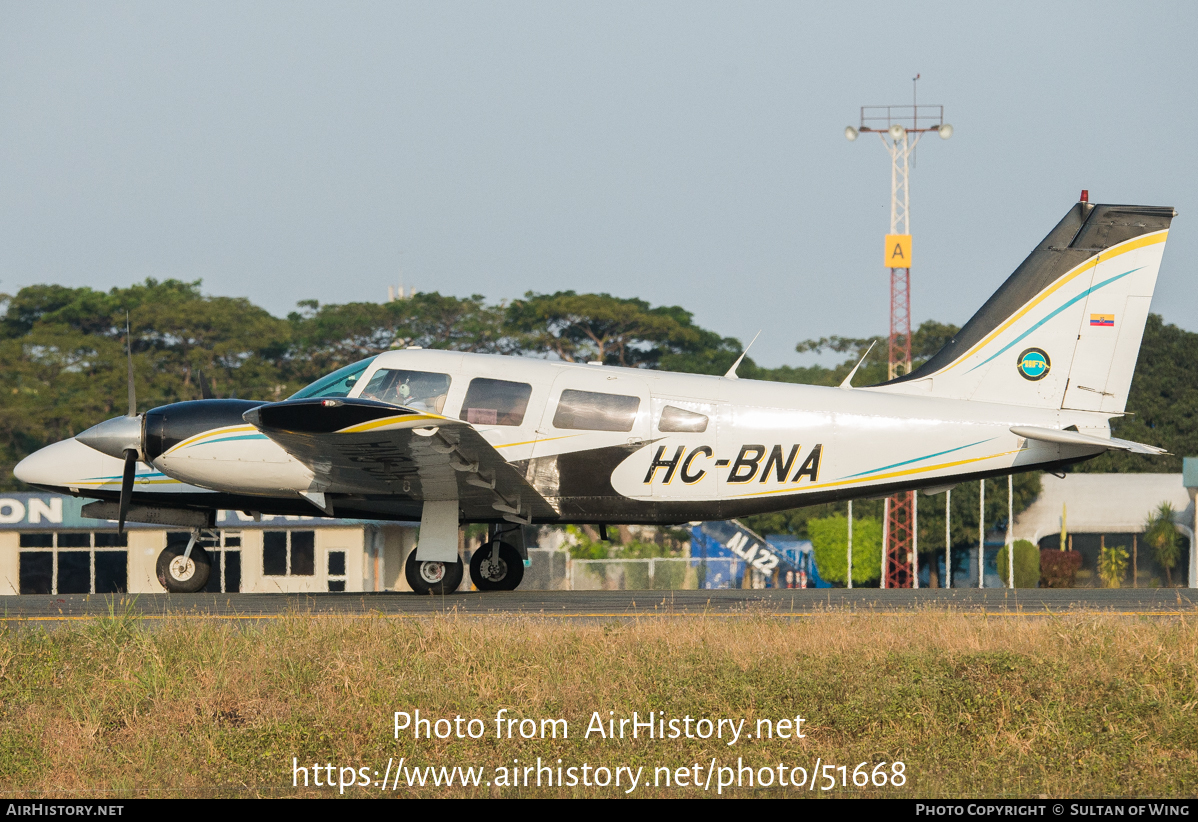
48,547
1108,505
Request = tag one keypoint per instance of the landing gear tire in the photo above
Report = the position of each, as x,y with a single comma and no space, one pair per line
183,577
501,573
433,577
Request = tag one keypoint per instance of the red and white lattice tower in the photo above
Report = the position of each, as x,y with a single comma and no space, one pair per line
900,128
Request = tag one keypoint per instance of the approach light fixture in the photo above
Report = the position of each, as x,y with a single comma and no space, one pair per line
945,131
897,132
850,133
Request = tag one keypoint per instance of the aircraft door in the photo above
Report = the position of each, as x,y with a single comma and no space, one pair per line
597,420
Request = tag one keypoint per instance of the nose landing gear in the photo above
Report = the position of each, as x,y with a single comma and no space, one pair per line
184,571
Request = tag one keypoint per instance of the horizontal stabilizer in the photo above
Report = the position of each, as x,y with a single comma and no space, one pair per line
1059,437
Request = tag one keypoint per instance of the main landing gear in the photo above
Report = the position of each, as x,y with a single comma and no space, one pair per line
432,577
496,566
184,570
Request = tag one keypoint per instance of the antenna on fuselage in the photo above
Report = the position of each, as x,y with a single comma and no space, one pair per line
848,381
731,375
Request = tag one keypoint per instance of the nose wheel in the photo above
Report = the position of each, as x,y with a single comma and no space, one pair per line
433,577
184,570
496,566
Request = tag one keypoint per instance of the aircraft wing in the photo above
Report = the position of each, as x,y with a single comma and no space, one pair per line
1062,437
362,446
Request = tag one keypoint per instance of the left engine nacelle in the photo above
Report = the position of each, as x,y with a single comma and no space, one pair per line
207,443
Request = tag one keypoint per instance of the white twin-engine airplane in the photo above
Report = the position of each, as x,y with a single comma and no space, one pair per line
445,438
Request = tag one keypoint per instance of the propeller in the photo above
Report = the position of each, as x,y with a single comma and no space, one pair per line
127,475
205,389
120,437
129,352
126,488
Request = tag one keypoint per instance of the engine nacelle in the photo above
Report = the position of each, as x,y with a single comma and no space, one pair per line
207,443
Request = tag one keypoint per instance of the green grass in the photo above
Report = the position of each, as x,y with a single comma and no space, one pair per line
973,706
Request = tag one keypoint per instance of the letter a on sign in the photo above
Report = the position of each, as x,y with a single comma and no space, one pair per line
898,250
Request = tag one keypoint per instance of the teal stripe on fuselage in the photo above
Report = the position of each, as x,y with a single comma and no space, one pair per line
917,459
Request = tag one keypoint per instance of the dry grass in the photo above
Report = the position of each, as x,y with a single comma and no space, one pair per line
974,706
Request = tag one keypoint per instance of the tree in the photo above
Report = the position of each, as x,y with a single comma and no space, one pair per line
600,327
325,338
926,340
829,540
1160,533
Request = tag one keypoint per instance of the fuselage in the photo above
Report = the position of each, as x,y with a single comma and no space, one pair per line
606,444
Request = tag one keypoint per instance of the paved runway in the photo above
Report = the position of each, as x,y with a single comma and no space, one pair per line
607,604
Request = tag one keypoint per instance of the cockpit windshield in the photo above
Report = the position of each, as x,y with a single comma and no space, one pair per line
337,384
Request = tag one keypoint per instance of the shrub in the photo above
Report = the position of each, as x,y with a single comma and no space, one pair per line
1112,565
1057,568
1160,532
1027,564
829,538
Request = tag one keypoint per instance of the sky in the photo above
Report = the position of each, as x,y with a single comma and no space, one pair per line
688,153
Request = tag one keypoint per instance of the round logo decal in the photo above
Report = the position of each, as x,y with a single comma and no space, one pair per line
1034,364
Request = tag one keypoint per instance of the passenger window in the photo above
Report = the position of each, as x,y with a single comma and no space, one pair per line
418,390
679,421
588,411
495,402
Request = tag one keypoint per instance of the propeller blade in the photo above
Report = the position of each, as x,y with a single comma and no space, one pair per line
205,389
129,350
126,488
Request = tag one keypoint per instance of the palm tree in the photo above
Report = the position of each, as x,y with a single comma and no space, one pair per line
1160,533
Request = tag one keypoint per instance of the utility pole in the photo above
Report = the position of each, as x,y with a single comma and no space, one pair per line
900,128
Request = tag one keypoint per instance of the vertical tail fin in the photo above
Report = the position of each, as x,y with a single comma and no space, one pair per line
1064,330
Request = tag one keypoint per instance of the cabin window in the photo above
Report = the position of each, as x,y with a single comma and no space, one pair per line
590,411
680,421
495,402
418,390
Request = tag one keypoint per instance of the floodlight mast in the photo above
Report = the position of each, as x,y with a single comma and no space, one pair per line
900,129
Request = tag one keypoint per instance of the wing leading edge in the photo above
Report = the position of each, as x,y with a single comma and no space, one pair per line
357,446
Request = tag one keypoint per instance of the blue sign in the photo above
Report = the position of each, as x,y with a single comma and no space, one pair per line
722,550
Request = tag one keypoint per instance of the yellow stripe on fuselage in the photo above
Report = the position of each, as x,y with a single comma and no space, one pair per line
860,481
